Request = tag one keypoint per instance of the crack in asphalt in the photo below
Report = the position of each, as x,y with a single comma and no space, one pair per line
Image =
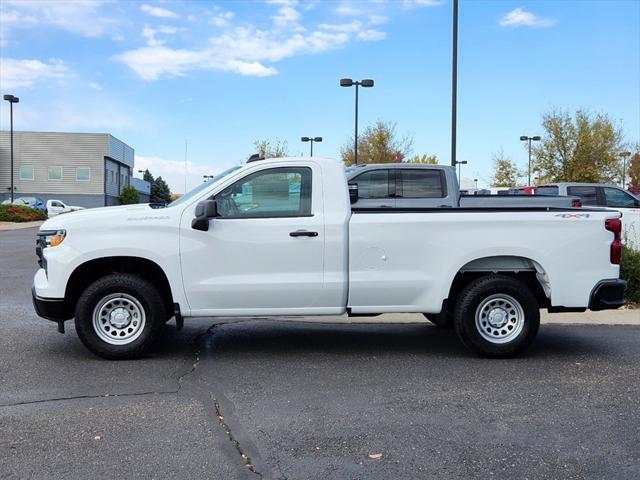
247,460
194,366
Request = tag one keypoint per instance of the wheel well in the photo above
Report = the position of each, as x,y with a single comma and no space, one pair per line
89,272
523,269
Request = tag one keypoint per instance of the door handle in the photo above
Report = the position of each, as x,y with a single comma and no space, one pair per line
303,233
385,206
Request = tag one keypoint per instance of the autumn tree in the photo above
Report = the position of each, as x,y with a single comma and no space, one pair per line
633,172
580,148
379,143
271,148
505,171
426,159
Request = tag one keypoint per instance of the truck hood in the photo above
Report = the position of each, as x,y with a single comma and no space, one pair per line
86,218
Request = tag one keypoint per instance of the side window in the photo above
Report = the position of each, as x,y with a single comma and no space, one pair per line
83,174
56,204
588,195
422,183
276,192
55,172
373,184
618,198
26,172
546,190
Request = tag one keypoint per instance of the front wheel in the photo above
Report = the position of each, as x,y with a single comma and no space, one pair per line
120,316
497,316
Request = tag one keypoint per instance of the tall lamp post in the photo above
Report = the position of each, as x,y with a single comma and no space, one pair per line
525,138
311,140
11,99
459,163
624,156
454,85
347,82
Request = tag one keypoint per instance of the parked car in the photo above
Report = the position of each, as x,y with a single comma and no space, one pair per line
606,196
122,272
33,202
56,207
407,185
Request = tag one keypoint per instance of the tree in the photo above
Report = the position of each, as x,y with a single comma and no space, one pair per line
427,159
505,171
147,177
579,148
160,192
379,143
268,149
633,173
129,195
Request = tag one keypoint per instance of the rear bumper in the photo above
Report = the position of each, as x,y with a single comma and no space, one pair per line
54,309
607,295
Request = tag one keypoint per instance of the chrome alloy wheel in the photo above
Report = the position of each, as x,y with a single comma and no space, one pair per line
499,318
118,319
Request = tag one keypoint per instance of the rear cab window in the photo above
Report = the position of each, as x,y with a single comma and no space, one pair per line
588,194
420,183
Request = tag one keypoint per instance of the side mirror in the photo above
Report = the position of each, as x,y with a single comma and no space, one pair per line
353,192
204,212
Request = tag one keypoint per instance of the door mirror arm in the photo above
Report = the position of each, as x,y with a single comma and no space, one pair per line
205,211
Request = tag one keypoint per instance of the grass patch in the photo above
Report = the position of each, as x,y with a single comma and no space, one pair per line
20,213
630,271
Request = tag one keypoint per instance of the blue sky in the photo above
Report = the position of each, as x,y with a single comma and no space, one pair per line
223,74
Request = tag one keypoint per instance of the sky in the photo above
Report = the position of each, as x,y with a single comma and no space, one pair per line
217,76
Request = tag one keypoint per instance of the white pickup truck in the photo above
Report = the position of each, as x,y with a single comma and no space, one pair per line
279,237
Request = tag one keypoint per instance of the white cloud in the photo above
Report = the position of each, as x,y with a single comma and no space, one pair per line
286,15
347,11
173,171
83,17
408,4
95,86
158,12
242,50
151,34
222,19
371,35
25,73
377,19
521,18
354,26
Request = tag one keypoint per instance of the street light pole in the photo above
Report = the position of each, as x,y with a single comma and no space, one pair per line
525,138
624,156
454,85
11,99
347,82
459,163
311,140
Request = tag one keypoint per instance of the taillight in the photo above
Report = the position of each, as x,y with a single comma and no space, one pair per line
615,225
577,203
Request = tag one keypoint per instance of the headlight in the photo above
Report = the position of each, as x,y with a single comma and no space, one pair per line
51,238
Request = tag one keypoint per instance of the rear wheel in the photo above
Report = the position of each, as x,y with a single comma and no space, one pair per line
120,316
497,316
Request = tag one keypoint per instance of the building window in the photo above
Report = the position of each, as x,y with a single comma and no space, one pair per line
26,172
83,174
55,172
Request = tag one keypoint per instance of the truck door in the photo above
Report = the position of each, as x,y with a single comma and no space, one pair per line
264,253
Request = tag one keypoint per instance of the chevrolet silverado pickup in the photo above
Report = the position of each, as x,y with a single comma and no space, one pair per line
279,237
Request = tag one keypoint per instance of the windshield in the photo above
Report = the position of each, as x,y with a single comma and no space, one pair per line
203,186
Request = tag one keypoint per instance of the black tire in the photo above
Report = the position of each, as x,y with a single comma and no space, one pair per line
497,316
136,298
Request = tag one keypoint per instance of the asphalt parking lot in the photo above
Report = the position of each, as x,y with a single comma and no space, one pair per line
259,398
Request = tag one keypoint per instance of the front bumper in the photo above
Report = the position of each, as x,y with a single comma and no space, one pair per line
54,309
607,295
